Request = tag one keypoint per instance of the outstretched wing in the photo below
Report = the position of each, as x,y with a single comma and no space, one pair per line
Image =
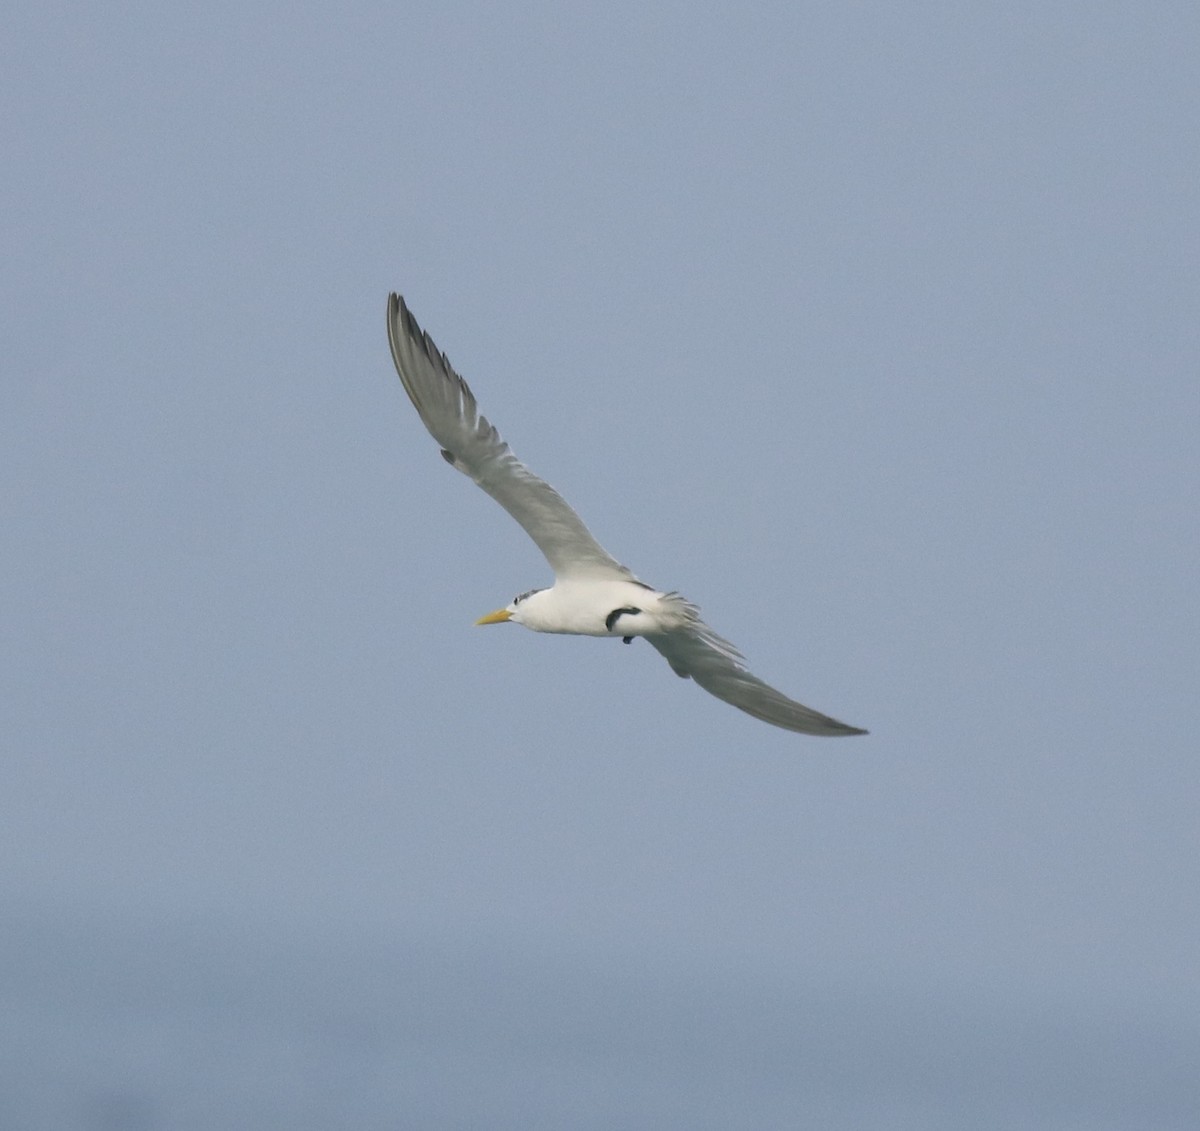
447,408
697,652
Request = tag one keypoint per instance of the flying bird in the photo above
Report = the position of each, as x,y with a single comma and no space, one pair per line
593,594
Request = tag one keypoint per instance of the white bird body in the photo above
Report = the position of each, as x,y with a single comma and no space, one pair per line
598,607
593,594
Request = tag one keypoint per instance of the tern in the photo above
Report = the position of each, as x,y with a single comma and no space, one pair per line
593,594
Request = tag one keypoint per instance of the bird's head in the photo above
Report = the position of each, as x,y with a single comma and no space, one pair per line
509,612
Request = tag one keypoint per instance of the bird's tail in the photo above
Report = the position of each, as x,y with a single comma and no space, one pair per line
689,619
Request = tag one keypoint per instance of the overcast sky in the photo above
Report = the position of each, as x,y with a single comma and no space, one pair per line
872,328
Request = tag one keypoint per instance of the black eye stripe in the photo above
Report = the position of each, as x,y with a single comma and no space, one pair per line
521,596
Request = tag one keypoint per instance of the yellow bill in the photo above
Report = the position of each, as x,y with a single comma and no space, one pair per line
498,617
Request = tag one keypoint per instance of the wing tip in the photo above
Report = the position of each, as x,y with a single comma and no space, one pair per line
398,312
844,730
399,316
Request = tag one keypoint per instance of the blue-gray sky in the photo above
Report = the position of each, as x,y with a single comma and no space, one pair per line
871,328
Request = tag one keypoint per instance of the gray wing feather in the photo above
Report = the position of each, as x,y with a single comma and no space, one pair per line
717,666
469,442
